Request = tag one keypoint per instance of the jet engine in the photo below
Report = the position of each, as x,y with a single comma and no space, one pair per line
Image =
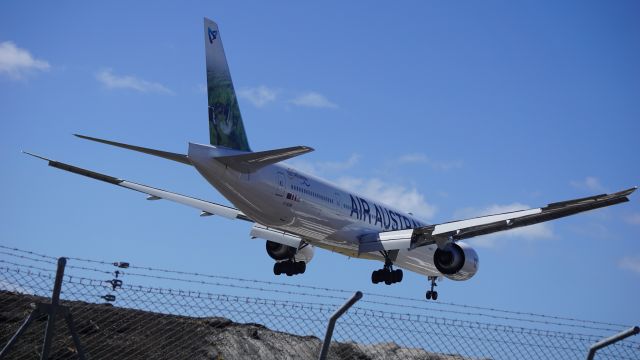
456,261
280,252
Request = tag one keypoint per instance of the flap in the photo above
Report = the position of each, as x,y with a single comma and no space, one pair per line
386,241
280,237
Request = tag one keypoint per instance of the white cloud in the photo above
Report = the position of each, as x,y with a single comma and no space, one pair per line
541,231
630,263
313,99
398,196
633,219
413,158
258,96
589,183
17,62
418,158
113,81
325,167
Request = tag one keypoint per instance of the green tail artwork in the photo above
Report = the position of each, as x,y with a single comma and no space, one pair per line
225,122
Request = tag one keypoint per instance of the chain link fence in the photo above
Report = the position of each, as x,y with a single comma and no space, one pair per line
128,312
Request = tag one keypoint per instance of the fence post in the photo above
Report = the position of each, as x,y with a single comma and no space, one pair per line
55,301
610,340
332,322
50,310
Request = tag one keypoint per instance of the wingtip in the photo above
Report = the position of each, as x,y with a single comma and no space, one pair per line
629,191
36,155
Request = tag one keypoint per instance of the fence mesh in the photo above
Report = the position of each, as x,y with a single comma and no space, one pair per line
163,314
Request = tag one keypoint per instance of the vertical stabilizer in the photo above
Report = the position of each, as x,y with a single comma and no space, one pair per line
225,122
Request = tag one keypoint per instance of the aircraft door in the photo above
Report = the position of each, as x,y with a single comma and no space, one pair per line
340,202
281,184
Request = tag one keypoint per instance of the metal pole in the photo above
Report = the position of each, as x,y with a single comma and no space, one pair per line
21,330
74,336
332,322
610,340
55,299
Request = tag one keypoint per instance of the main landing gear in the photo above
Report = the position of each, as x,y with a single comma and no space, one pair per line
289,267
387,274
431,294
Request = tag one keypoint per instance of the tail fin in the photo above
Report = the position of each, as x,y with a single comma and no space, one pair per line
225,122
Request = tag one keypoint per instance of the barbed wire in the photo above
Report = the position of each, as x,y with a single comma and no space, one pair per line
550,319
165,322
338,298
96,283
309,306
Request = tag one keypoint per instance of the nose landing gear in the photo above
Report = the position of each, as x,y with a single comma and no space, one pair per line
431,294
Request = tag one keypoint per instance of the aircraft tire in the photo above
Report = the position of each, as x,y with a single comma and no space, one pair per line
277,269
375,277
397,275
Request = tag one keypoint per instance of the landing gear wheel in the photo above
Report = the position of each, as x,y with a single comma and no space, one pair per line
387,274
375,277
300,267
434,295
429,294
388,278
289,267
397,275
277,269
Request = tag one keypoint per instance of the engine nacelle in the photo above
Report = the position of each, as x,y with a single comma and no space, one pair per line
457,261
281,252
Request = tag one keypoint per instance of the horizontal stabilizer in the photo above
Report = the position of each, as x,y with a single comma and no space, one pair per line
181,158
154,193
253,161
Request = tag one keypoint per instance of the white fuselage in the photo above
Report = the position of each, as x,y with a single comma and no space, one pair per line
322,213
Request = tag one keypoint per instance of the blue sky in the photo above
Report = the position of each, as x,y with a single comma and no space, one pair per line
448,109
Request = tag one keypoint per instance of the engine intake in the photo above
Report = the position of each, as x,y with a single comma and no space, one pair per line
280,252
456,261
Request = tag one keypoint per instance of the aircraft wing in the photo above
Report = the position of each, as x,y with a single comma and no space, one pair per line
207,208
464,229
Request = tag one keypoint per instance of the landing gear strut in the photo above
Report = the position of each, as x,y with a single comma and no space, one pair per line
387,274
289,267
431,294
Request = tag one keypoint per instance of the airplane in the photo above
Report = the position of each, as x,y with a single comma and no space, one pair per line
296,212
